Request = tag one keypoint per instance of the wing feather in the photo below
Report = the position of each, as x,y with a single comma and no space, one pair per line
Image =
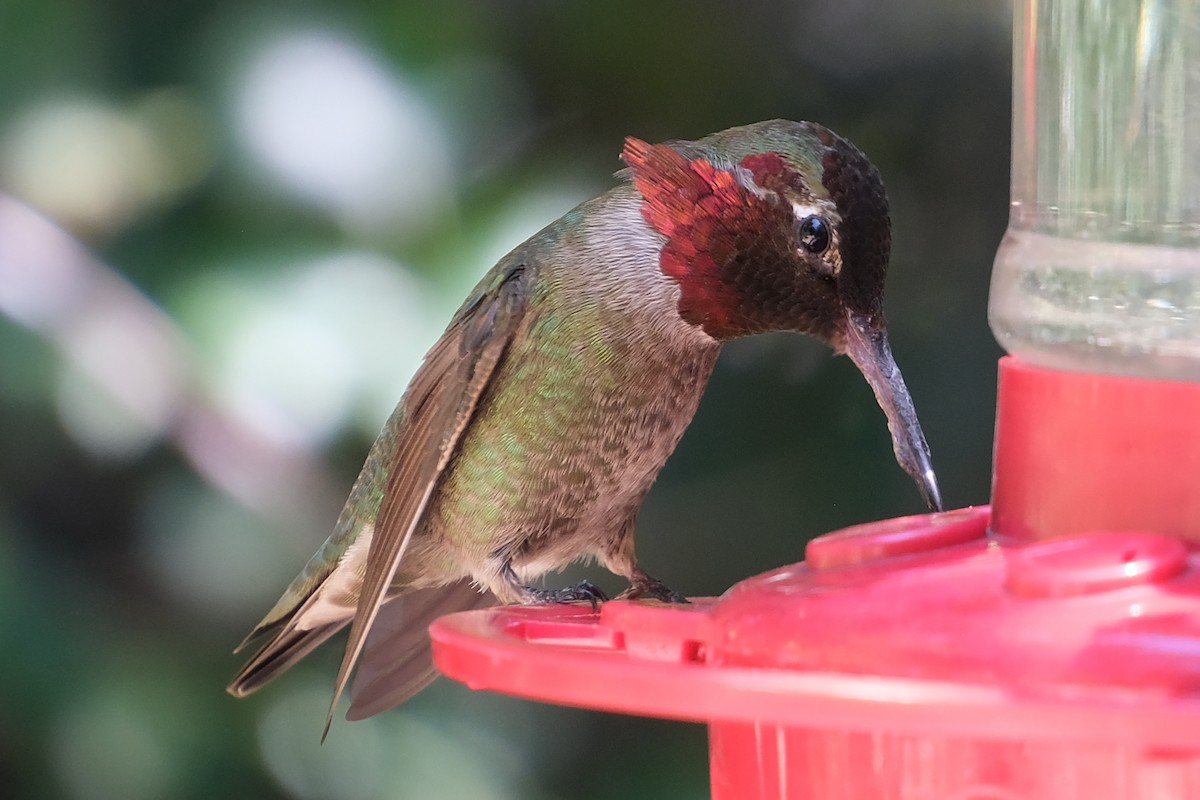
440,405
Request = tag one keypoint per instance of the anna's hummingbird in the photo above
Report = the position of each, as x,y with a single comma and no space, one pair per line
533,429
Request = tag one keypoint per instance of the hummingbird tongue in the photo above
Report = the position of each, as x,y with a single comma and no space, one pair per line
867,346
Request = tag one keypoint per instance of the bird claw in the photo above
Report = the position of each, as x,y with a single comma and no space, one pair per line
584,591
652,588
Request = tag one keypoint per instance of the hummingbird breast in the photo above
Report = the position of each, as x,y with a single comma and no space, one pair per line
583,412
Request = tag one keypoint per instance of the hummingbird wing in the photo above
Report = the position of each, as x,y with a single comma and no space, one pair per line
369,540
439,406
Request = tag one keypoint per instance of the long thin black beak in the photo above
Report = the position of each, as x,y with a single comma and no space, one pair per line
867,345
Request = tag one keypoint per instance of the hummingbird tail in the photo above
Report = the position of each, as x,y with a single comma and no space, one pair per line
276,656
397,660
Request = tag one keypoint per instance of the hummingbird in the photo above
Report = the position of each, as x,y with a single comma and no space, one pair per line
534,427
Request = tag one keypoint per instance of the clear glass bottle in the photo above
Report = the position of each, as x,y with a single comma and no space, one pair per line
1100,267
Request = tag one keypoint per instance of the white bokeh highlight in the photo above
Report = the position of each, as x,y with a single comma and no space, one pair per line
339,129
300,352
95,166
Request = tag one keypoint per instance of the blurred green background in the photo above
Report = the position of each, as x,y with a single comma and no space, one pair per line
228,232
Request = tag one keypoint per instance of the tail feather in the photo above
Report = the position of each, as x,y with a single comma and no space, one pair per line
259,631
285,649
397,660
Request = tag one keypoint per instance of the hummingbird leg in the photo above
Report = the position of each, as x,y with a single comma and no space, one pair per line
585,591
642,584
620,560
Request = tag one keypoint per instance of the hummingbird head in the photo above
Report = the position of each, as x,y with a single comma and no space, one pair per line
782,226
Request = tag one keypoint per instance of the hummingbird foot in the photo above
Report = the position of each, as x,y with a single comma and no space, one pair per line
584,591
643,585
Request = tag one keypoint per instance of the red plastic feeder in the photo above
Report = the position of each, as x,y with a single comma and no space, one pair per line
922,658
911,658
918,657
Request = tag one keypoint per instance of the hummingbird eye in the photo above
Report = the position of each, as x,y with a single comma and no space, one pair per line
814,235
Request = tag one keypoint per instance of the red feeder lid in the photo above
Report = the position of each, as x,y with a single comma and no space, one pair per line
919,625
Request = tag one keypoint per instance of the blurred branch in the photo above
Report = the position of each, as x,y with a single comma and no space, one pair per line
134,352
